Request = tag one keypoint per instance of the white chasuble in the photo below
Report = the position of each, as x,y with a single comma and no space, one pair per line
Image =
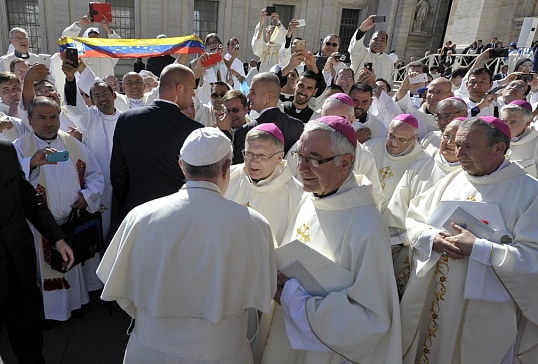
361,323
525,151
439,325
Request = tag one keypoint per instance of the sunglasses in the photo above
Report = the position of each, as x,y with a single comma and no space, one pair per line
328,44
93,32
234,110
214,95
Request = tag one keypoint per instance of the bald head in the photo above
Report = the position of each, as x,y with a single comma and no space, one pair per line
439,89
269,82
264,91
177,85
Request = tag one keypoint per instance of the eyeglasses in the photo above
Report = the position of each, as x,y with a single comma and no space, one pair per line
214,95
260,157
448,138
392,139
516,86
45,91
313,162
101,96
216,42
328,44
21,38
438,117
234,110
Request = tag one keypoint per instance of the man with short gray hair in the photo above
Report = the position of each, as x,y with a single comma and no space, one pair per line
338,219
471,294
188,266
18,37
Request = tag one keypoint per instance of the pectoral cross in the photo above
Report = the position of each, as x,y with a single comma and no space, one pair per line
384,173
102,208
303,233
247,204
472,198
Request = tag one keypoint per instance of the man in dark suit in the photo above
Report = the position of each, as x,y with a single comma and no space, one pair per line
21,305
147,142
264,95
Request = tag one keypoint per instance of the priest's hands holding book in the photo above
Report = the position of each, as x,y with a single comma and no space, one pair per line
281,281
454,246
66,253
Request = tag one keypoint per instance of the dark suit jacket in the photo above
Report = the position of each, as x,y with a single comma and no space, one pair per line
290,127
20,201
145,154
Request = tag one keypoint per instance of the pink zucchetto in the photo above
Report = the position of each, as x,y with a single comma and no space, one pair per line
271,129
342,97
460,118
408,119
522,103
498,124
341,125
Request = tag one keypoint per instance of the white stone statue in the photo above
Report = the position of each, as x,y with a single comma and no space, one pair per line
423,9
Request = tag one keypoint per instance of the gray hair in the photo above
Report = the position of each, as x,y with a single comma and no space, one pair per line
527,115
17,30
491,133
257,134
335,102
210,172
459,105
339,143
41,101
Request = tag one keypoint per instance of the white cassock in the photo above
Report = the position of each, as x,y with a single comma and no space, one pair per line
377,129
187,267
62,188
268,52
432,142
382,65
275,197
482,308
5,60
361,323
102,67
364,168
419,177
237,66
525,151
204,113
97,131
487,111
391,168
426,120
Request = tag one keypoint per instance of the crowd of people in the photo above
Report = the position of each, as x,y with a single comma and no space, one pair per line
314,214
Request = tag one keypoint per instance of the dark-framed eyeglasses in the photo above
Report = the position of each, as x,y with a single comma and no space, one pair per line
329,44
392,139
261,157
313,162
214,95
449,138
438,117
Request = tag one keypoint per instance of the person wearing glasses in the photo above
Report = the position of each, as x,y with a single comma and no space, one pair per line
447,110
437,90
207,114
236,108
419,177
18,37
394,153
102,67
381,63
264,98
524,142
337,218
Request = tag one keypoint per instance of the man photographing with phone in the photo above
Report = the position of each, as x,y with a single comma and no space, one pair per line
381,62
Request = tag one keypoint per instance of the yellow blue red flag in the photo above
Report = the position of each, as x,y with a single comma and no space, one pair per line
132,48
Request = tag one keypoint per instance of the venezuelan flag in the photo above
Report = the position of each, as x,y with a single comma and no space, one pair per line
132,48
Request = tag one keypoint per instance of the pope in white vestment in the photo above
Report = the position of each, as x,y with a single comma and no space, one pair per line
189,265
477,307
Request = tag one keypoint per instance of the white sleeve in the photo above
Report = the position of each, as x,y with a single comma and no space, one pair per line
387,109
86,80
257,44
299,332
93,181
423,251
79,114
71,31
405,104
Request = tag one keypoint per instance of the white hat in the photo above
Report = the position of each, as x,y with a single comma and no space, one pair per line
90,29
205,146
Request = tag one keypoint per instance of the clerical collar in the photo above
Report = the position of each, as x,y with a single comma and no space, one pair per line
48,141
363,118
21,55
518,138
325,195
451,164
428,111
